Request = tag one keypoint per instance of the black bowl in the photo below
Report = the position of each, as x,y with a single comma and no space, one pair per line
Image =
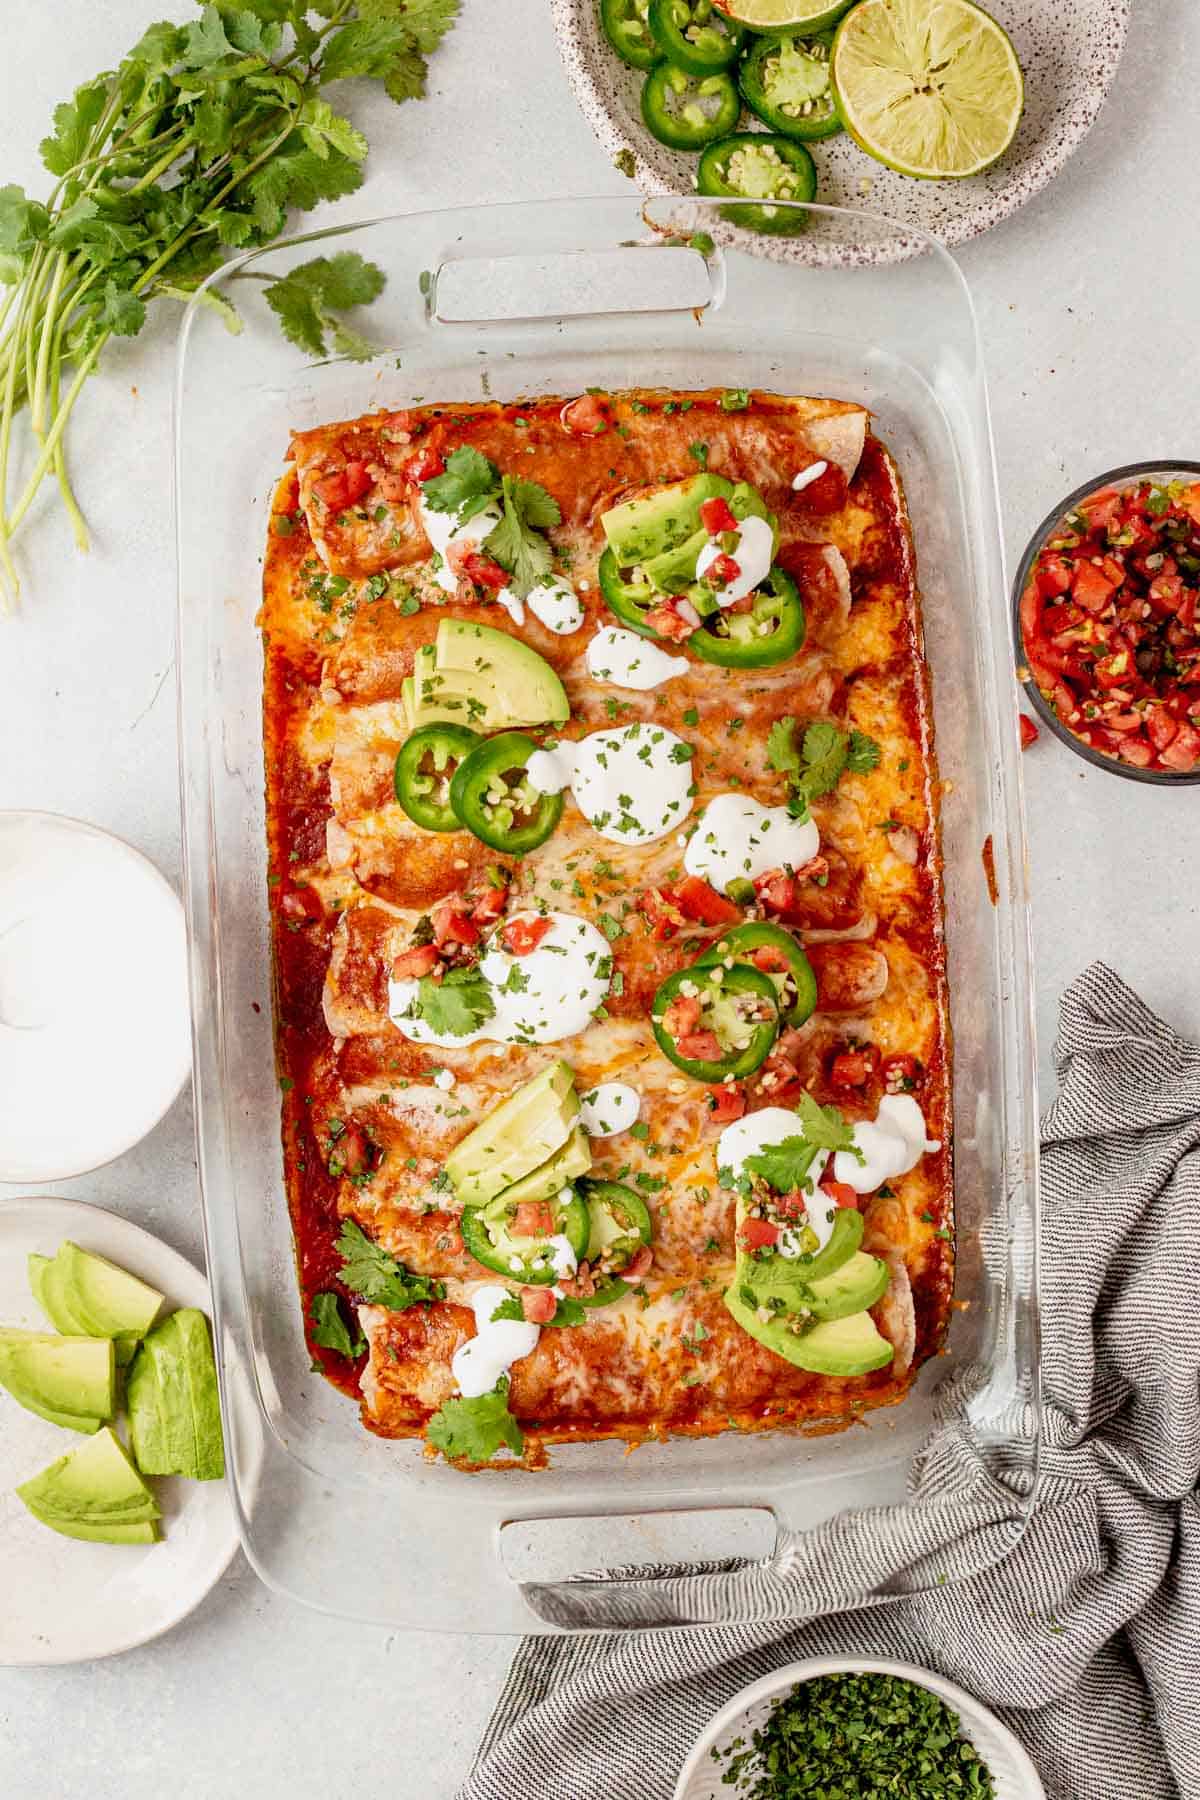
1161,472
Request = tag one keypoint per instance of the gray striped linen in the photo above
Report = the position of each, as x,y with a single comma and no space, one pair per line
1087,1637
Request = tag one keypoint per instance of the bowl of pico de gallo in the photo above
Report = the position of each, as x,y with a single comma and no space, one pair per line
1106,615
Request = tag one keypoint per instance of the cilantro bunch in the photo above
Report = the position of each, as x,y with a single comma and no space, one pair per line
201,141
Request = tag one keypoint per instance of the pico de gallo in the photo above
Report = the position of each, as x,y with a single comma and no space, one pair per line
1109,624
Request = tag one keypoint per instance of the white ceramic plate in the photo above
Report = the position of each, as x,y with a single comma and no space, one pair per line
70,1602
1069,50
1013,1774
94,1018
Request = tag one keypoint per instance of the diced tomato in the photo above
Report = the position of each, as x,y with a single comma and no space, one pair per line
1137,751
302,903
669,623
770,959
722,570
1165,593
539,1304
1115,670
1031,618
581,1285
425,464
728,1103
489,903
1091,587
410,965
1099,508
700,1046
716,516
533,1218
398,423
792,1205
638,1264
586,417
481,570
1184,751
341,490
1191,502
1029,731
854,1068
664,917
827,494
1161,728
697,899
779,1079
757,1234
841,1193
452,923
1064,616
902,1073
682,1016
776,890
1053,575
520,936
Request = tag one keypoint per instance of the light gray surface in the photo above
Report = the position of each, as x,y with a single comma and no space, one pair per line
1085,304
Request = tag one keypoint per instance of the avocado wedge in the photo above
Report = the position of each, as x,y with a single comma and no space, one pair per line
95,1489
70,1381
86,1295
855,1287
522,1134
848,1346
173,1402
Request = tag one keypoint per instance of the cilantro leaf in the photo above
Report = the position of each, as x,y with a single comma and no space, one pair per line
509,1308
330,1327
122,313
470,483
516,543
863,754
782,753
366,47
569,1312
368,1271
824,1126
307,300
456,1005
426,21
824,754
784,1166
474,1429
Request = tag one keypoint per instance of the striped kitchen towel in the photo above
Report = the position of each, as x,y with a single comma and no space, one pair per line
1086,1639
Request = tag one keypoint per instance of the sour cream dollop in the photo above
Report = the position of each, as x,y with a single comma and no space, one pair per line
549,994
610,1108
442,531
762,1131
891,1144
550,770
633,785
626,660
737,839
752,553
557,606
478,1364
806,477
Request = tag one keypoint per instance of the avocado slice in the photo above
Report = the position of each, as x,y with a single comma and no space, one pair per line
653,523
144,1532
170,1448
522,1133
55,1299
147,1428
857,1285
569,1161
483,678
673,571
93,1485
788,1278
194,1341
108,1299
64,1379
849,1346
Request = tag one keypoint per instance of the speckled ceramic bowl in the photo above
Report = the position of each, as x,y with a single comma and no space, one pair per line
701,1777
1069,50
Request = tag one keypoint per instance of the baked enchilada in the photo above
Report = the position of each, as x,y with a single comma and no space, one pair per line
604,863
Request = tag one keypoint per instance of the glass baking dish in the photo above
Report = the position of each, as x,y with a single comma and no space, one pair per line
552,298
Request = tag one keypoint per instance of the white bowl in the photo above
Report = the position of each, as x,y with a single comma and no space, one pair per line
94,1017
1012,1772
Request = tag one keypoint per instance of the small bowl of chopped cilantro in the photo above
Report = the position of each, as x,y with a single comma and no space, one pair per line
856,1729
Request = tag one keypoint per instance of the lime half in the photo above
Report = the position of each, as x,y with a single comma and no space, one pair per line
785,15
930,87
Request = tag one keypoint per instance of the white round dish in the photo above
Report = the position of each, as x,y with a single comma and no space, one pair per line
1013,1774
1069,50
94,1016
66,1601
